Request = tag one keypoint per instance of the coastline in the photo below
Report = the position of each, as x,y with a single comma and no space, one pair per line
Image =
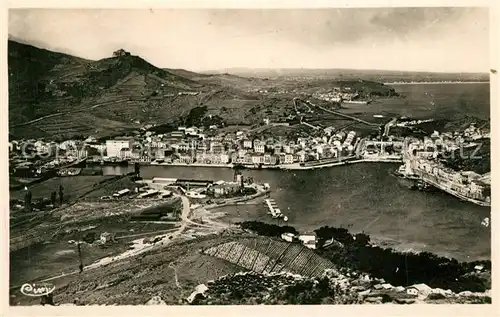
293,166
437,82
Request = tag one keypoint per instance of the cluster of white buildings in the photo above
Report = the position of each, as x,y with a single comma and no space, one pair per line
337,95
421,160
308,239
448,141
464,184
190,145
71,148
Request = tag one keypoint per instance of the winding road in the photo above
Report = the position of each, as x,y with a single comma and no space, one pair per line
339,113
185,221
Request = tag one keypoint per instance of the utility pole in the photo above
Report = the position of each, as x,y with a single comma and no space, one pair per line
80,256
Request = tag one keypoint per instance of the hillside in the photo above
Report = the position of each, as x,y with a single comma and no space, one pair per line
169,276
58,94
332,287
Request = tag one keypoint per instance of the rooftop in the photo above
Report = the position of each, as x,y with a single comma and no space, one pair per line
122,138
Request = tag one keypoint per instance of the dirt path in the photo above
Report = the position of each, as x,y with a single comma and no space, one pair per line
175,275
139,247
145,234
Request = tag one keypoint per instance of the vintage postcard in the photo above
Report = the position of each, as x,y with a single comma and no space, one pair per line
249,156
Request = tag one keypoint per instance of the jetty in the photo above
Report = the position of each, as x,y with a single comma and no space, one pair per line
274,210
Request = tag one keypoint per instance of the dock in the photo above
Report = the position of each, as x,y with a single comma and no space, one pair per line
274,210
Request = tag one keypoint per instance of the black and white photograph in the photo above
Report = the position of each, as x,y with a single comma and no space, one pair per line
249,156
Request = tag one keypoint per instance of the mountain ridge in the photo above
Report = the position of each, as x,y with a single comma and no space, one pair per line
46,84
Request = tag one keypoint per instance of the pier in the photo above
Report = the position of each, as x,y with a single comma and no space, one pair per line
274,210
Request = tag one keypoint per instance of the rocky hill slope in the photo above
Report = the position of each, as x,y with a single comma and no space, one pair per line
333,287
58,94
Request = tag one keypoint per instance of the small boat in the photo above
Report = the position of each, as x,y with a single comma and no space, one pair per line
485,222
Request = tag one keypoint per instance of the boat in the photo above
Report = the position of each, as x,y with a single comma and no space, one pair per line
71,171
238,166
274,167
356,102
115,162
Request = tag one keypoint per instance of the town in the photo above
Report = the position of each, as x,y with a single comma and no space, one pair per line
196,146
276,165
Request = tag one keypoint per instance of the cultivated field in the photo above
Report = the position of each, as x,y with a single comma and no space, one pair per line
263,255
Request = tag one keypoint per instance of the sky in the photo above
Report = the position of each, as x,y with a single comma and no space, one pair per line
412,39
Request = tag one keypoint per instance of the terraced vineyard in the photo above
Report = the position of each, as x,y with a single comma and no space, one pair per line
87,124
264,255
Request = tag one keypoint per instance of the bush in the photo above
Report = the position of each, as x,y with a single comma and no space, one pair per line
265,229
401,268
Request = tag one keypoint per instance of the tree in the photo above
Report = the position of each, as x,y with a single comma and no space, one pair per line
80,256
27,200
362,239
53,198
61,194
137,170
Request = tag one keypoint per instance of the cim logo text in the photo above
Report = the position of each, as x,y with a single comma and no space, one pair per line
36,290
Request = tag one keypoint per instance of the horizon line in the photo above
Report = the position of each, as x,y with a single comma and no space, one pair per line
333,68
225,69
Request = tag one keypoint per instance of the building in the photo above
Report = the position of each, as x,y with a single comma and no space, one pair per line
257,159
224,189
420,290
224,158
114,147
177,134
349,138
287,236
107,237
270,159
235,158
192,131
210,158
259,146
216,147
288,159
182,146
185,159
125,153
308,239
248,158
229,138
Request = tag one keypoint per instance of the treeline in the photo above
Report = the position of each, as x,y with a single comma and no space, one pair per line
398,268
265,229
355,252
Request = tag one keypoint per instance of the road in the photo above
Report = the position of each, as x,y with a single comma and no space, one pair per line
388,126
141,248
58,114
341,114
144,234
